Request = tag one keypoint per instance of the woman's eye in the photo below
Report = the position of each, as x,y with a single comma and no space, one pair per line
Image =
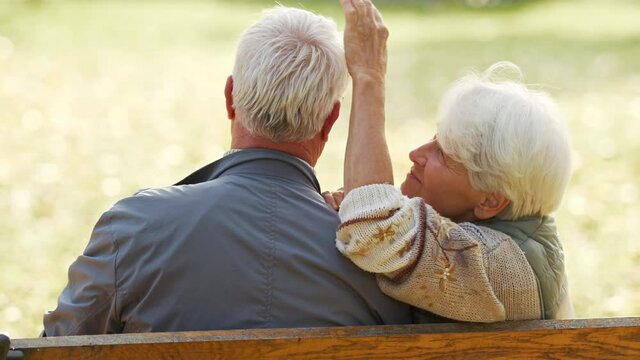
443,157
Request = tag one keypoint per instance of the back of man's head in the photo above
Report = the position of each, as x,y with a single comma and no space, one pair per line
289,72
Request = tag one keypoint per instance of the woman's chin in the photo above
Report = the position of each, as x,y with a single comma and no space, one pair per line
406,189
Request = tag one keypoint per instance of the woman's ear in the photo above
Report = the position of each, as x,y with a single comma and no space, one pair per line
490,205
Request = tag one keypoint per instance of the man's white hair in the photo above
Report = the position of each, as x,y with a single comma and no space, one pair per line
290,70
510,138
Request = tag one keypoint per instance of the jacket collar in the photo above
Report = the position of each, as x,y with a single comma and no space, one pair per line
263,161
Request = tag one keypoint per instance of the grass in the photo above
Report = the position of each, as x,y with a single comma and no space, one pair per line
99,99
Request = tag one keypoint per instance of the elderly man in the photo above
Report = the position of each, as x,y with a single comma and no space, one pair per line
247,241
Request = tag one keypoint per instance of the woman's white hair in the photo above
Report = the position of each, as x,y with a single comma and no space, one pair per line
290,70
510,138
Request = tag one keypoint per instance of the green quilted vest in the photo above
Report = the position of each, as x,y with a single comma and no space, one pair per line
538,239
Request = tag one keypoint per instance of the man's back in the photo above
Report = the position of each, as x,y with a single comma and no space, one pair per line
246,242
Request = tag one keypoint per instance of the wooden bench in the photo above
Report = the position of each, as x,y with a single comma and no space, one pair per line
609,338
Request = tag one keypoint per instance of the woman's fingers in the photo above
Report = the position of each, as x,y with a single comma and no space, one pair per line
328,198
338,196
365,38
347,7
333,199
378,17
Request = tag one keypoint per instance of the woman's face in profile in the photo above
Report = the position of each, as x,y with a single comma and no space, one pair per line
442,182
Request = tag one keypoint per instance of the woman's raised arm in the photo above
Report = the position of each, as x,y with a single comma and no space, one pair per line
367,158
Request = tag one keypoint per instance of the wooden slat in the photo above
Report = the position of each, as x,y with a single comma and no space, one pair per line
610,338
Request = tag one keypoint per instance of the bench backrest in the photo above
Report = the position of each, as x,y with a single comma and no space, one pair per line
608,338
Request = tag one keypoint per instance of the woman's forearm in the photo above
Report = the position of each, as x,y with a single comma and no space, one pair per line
367,159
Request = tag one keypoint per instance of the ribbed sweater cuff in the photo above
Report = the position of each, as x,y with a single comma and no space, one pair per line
370,200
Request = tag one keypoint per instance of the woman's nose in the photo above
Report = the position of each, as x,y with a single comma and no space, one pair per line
419,155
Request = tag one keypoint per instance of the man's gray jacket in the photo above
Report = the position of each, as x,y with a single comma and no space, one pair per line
245,242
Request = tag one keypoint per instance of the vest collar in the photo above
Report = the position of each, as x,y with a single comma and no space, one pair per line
539,228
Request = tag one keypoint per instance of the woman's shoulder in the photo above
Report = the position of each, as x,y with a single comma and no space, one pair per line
490,239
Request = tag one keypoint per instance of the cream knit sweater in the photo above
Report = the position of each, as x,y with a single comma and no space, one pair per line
460,271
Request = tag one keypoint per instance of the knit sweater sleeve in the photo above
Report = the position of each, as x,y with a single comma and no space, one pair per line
420,257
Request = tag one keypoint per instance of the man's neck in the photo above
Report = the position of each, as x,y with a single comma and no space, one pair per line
308,151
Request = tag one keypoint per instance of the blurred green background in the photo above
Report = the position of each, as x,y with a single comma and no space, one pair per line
101,98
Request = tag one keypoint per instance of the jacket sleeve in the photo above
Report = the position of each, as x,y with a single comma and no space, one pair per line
420,257
87,304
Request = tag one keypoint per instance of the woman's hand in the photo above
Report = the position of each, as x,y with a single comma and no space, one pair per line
365,40
334,198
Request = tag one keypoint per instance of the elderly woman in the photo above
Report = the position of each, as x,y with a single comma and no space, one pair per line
468,236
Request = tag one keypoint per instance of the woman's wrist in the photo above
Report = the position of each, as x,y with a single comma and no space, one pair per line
368,100
368,79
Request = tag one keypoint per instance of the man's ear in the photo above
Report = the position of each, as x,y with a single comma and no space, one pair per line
490,205
228,95
331,119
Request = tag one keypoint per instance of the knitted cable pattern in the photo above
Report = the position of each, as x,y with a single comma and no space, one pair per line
460,271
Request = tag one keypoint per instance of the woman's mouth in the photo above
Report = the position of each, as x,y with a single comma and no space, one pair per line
412,175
